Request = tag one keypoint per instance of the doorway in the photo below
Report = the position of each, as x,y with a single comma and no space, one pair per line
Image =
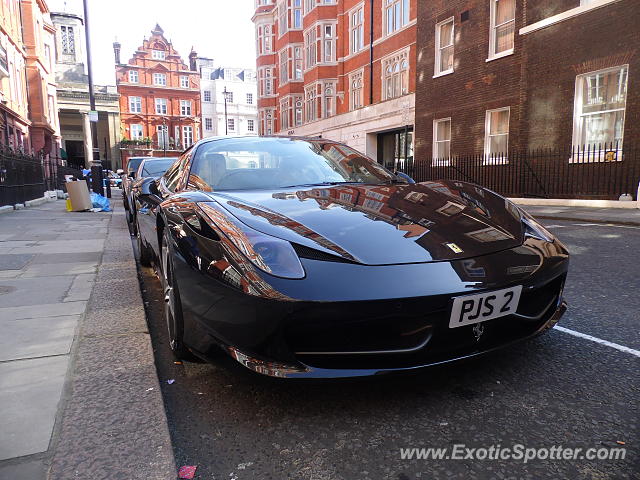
395,149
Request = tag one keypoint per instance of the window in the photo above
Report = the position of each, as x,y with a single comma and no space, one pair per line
160,79
265,39
266,121
503,20
311,108
442,139
231,124
444,47
497,133
283,24
133,76
297,63
68,40
310,47
229,96
328,99
296,14
249,98
206,95
356,29
158,54
396,78
298,118
250,125
356,90
184,81
4,61
309,5
163,136
161,106
396,15
284,66
135,104
187,136
600,104
328,43
136,131
265,81
208,124
285,113
185,108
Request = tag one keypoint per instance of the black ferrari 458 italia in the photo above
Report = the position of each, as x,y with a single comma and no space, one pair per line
304,258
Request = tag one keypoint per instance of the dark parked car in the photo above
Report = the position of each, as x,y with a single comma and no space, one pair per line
127,180
304,258
150,167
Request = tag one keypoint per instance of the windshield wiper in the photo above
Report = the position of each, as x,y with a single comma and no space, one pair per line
319,184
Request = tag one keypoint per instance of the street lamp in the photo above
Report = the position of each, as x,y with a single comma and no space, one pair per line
165,137
226,123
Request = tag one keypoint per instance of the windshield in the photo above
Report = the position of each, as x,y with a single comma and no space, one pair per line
156,168
270,163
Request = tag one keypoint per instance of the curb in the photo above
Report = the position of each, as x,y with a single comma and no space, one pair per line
6,209
35,202
589,220
113,424
568,202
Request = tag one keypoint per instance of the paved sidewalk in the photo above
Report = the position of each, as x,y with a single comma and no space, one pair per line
622,216
79,394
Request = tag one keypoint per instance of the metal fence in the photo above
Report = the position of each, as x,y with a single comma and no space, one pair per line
22,177
589,172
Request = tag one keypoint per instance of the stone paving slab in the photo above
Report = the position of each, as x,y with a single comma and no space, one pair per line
28,413
14,262
57,269
34,291
44,310
30,470
36,337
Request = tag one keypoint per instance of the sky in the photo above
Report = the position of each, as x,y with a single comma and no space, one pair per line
218,29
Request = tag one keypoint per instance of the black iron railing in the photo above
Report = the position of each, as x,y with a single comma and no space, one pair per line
603,171
22,177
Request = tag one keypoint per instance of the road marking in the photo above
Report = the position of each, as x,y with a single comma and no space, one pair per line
556,226
622,348
605,225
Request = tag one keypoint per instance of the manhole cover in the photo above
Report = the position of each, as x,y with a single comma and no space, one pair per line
6,289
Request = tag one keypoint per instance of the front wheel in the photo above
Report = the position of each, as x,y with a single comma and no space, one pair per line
172,303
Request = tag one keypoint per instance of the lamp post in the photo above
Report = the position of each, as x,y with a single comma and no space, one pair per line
165,137
96,165
226,123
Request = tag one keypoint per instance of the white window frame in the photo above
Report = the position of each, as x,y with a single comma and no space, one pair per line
489,158
187,136
400,58
356,93
249,98
135,104
356,29
160,79
184,81
591,154
68,40
231,124
208,124
391,7
296,62
328,42
162,132
251,127
264,34
158,54
285,113
298,110
492,32
162,103
134,77
185,108
311,103
438,160
310,47
283,66
439,47
206,96
136,131
266,81
329,96
309,5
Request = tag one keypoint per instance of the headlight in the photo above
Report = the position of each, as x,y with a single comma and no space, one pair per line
270,254
533,229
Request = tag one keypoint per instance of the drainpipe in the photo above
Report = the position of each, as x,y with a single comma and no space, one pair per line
371,52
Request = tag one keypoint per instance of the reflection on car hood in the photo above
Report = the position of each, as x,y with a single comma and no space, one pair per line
384,224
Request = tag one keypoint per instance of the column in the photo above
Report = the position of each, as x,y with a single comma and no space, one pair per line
88,141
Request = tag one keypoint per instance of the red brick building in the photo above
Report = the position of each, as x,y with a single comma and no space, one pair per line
342,69
159,99
496,76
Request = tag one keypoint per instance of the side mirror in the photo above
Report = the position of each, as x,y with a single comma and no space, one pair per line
405,177
120,171
132,174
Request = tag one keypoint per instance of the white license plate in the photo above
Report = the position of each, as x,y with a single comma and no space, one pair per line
481,307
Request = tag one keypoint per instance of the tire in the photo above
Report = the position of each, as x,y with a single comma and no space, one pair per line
143,252
172,303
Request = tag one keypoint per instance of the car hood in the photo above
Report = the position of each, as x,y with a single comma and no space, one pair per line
383,224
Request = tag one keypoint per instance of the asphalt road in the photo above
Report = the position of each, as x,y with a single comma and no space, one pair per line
558,389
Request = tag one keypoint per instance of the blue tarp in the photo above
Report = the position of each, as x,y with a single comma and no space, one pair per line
98,201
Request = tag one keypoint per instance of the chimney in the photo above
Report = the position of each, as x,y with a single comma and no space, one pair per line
116,51
193,56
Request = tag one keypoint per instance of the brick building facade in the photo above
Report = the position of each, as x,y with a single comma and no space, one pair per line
342,69
159,99
510,75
